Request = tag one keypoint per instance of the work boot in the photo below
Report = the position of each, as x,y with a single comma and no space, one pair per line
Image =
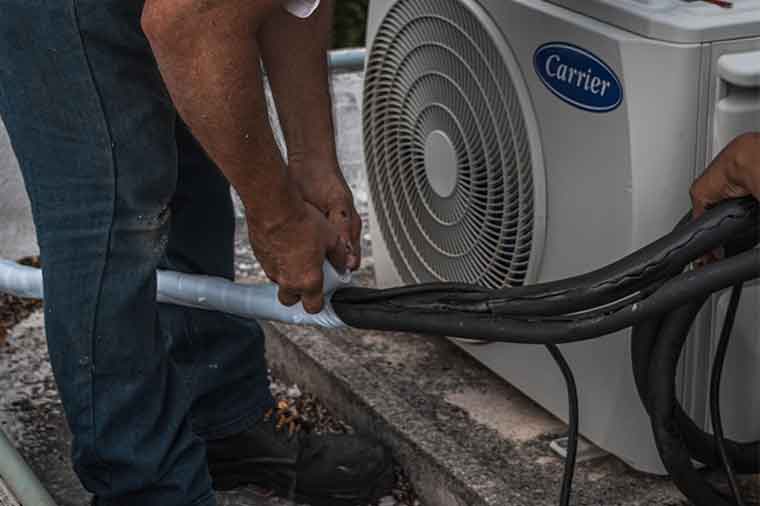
317,469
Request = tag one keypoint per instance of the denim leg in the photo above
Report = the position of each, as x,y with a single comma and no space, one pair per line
93,130
222,356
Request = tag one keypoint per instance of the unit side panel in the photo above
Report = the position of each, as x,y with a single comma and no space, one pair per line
590,206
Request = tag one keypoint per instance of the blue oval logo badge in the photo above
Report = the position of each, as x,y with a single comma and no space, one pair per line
578,77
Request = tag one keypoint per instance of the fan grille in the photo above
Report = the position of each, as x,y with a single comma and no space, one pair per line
434,71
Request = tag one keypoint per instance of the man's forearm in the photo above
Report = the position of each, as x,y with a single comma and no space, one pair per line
295,56
209,59
294,52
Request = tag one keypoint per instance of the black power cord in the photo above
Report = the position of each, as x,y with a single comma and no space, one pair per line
715,379
572,432
650,290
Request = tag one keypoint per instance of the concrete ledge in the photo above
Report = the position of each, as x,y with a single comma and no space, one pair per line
463,435
349,389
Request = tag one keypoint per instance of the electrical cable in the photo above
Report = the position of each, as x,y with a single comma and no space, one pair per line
573,425
652,290
715,380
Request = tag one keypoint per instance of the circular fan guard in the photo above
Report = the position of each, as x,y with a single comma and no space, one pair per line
438,77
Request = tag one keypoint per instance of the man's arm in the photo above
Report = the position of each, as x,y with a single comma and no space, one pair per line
734,173
294,52
209,58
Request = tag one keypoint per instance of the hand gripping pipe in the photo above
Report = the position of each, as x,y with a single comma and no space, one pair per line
652,290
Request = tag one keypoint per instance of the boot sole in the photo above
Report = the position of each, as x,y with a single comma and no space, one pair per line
251,473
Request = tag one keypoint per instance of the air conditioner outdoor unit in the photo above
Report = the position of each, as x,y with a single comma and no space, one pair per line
522,141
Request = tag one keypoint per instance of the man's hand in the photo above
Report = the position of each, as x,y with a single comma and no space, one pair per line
292,251
323,186
734,173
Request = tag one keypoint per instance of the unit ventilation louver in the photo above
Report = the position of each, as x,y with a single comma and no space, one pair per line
448,153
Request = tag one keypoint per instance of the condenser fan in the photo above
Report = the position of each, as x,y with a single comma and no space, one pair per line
450,161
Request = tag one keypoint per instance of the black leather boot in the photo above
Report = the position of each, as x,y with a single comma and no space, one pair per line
320,470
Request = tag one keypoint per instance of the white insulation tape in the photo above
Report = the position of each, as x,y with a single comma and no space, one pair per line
204,292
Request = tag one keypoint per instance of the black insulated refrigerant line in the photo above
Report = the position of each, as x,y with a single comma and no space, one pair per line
653,290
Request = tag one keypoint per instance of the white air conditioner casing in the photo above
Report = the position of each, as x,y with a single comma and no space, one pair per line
460,126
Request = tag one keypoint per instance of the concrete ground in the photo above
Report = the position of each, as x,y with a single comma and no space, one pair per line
464,436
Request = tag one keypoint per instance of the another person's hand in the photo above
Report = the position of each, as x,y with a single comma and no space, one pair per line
323,185
734,173
292,250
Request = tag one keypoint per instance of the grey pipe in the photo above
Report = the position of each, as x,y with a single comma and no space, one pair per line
19,478
20,280
249,301
204,292
347,60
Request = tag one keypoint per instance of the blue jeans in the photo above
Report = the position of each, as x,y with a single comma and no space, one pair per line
120,188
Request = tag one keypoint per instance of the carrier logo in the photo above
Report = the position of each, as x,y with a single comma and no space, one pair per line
578,77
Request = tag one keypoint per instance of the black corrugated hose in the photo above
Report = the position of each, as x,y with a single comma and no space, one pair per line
653,290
